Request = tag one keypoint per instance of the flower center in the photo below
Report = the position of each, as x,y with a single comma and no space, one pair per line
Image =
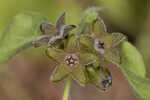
99,45
72,60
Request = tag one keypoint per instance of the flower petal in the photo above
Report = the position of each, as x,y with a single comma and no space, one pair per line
86,58
41,41
101,78
87,43
48,29
67,29
60,73
92,75
61,21
112,55
105,75
94,78
56,54
80,75
113,39
98,28
73,44
117,38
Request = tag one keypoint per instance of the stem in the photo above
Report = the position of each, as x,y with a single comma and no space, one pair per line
67,88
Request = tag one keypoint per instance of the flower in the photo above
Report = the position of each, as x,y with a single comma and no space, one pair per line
52,33
99,40
100,77
71,61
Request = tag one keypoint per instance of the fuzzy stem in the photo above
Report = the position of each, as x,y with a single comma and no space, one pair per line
67,88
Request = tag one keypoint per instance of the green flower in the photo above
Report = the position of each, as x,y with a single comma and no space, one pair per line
52,33
100,77
99,40
71,61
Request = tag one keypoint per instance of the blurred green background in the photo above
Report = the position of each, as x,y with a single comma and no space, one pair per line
26,76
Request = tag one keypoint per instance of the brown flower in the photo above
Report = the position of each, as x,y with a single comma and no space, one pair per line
52,33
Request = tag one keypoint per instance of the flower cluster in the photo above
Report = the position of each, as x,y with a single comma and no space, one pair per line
82,56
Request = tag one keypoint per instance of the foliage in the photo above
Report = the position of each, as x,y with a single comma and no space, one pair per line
133,67
19,33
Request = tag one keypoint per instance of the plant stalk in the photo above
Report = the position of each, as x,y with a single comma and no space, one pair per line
67,88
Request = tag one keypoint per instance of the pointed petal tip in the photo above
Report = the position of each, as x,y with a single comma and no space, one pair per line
61,20
64,13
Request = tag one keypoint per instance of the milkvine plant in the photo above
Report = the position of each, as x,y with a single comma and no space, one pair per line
81,53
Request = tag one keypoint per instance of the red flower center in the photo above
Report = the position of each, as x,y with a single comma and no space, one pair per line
72,60
99,45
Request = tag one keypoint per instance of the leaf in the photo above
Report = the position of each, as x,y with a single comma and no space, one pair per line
133,67
19,34
140,85
132,59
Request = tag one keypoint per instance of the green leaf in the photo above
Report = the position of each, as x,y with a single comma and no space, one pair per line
133,67
132,59
140,85
19,34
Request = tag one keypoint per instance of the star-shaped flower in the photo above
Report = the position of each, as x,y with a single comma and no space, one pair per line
99,40
100,77
71,61
52,33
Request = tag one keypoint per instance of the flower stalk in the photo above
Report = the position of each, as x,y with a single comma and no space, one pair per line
67,88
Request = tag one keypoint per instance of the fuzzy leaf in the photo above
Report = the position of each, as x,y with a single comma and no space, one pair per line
132,59
19,33
140,85
133,67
